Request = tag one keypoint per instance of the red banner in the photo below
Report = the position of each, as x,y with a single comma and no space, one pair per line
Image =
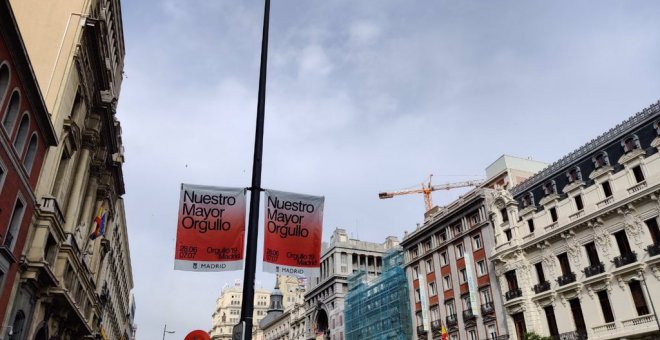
293,226
211,230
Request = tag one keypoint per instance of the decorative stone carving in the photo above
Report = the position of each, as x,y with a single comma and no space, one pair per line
656,272
548,258
633,224
573,248
637,153
79,232
602,237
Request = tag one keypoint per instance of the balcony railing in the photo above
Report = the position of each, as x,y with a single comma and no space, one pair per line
435,325
637,187
512,294
625,259
654,249
594,270
575,335
641,320
606,328
451,319
566,279
541,287
467,314
487,308
605,202
420,330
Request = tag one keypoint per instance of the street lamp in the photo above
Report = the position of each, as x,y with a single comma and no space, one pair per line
165,331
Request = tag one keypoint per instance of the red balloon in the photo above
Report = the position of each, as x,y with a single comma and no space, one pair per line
197,335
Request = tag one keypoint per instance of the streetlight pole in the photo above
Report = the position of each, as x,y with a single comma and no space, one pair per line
247,305
165,331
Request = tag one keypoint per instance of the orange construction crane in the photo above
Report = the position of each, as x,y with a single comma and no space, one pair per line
427,188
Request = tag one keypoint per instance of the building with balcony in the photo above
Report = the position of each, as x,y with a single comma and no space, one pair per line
379,308
228,311
447,267
73,286
324,300
288,320
25,135
577,244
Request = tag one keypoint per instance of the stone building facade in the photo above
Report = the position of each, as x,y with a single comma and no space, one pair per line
25,134
446,260
66,290
324,300
228,311
288,324
577,247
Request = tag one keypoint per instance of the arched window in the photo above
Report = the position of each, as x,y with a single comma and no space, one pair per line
21,136
630,143
4,81
31,153
600,160
11,113
17,326
574,175
550,188
528,199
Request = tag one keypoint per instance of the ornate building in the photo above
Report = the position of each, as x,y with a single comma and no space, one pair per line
578,246
446,260
324,300
287,323
25,135
73,286
228,311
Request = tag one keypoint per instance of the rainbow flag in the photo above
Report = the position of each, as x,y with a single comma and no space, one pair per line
99,224
443,332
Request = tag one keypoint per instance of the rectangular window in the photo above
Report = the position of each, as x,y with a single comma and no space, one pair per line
511,280
3,174
482,269
417,295
638,298
592,253
415,270
466,302
474,219
413,253
530,225
459,251
429,266
508,234
639,174
477,242
472,334
463,275
553,214
427,245
458,228
485,296
14,224
442,236
652,224
607,189
622,242
578,202
492,331
435,313
552,321
432,289
447,282
539,272
444,259
564,264
449,306
605,306
505,215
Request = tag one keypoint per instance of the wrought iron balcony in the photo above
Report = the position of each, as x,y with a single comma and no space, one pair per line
625,259
435,325
421,330
566,279
654,249
594,270
451,319
541,287
487,308
512,294
468,315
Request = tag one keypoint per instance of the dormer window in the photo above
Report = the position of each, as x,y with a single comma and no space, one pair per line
631,143
550,188
600,160
528,200
656,126
574,175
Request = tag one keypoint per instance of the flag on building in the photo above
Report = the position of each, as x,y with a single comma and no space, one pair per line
99,224
443,332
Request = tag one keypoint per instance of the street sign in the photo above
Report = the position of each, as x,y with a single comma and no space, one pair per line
197,335
238,333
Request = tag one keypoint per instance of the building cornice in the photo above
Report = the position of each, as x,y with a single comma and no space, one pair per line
589,148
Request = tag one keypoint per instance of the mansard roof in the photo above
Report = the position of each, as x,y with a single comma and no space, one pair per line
615,134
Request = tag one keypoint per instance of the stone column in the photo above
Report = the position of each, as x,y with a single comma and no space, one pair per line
75,195
89,209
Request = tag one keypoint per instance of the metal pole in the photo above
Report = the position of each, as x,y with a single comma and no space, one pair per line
164,330
247,305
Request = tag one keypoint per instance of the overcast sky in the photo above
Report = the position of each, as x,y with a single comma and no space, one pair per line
363,97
